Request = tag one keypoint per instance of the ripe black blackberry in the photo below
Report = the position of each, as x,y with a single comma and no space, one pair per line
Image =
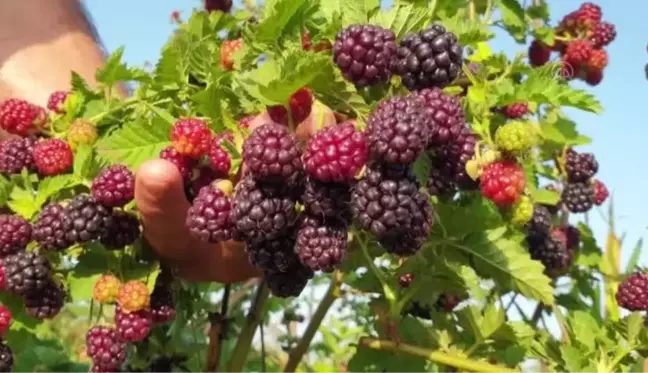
15,234
162,302
45,303
364,53
208,218
327,200
276,255
123,230
453,157
632,293
16,155
397,132
321,245
85,220
114,186
446,114
48,229
580,167
6,357
578,197
105,348
26,272
290,283
262,212
440,182
389,203
541,221
272,154
429,58
550,248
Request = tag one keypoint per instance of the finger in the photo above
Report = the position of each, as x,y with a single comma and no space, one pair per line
226,262
161,201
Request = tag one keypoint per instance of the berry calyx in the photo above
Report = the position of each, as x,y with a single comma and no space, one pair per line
632,293
133,326
516,110
16,155
22,118
271,154
106,289
183,163
601,192
208,218
133,296
53,157
81,132
191,137
516,137
15,234
56,101
228,49
114,186
5,320
336,153
502,182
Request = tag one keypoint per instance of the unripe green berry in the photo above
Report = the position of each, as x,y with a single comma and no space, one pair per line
522,211
81,132
516,137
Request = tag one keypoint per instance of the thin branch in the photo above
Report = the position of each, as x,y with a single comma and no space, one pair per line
241,292
218,332
562,324
444,358
242,348
537,314
297,353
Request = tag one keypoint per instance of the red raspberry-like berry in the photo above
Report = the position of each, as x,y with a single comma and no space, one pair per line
191,137
604,33
133,326
5,320
183,163
15,234
336,153
405,280
539,53
305,40
105,348
56,102
598,60
447,302
503,182
245,121
3,278
601,192
301,103
219,159
106,289
516,110
133,296
114,186
588,15
633,292
53,157
578,52
228,48
272,154
21,117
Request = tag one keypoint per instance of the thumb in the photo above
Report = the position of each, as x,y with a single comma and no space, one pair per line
161,201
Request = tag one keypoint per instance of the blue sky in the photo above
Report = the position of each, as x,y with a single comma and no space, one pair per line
619,133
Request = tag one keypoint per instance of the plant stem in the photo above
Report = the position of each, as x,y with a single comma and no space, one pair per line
472,13
240,353
435,356
217,332
432,8
561,323
537,314
297,353
390,295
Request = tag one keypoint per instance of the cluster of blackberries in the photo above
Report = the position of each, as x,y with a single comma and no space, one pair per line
580,190
583,56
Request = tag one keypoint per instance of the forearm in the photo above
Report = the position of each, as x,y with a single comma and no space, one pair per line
41,42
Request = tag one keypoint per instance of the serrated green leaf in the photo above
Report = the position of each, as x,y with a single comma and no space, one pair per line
79,84
513,18
563,131
402,19
635,324
517,332
83,161
50,186
583,328
572,357
349,11
136,142
546,197
5,189
336,92
469,32
113,70
370,360
281,17
494,317
634,258
23,203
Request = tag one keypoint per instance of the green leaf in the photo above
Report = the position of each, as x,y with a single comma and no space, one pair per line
583,328
632,263
513,18
83,158
336,92
50,186
282,17
508,263
494,317
402,19
572,357
563,131
370,360
136,142
5,190
635,324
546,197
113,70
350,11
517,332
469,32
23,202
79,84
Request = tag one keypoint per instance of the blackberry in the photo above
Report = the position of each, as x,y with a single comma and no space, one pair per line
594,77
321,245
26,272
85,220
410,242
453,158
114,186
22,118
56,101
539,53
516,110
336,153
16,155
206,175
572,235
580,167
300,104
440,182
276,255
390,204
48,229
219,158
271,154
398,131
47,302
327,200
551,250
429,58
578,197
601,192
541,221
6,357
446,116
162,303
604,33
105,348
364,54
261,212
15,234
290,283
124,231
133,296
405,280
133,326
632,293
208,218
223,5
